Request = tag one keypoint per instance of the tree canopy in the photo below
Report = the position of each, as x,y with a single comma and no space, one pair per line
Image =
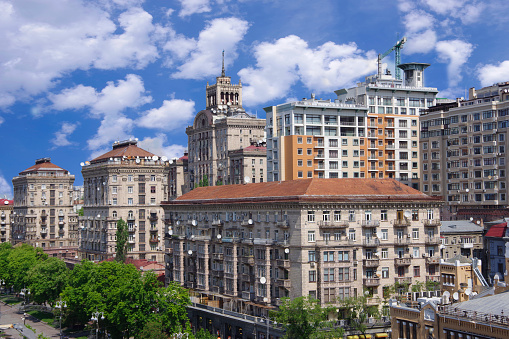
122,237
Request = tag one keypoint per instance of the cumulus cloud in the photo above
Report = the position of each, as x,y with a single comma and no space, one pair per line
157,145
456,53
190,7
202,57
490,74
172,115
2,120
5,188
113,127
419,31
43,41
282,63
61,136
113,98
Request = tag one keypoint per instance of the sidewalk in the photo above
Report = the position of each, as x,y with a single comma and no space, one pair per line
10,315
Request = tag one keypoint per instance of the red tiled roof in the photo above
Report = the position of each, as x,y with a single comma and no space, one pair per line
497,231
44,166
5,202
306,190
128,149
185,157
256,148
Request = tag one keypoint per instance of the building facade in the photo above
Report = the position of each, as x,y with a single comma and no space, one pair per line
6,210
178,177
243,247
463,153
462,237
248,163
369,131
43,209
497,239
221,127
126,183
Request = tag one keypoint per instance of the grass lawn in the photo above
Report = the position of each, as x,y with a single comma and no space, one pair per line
44,316
10,299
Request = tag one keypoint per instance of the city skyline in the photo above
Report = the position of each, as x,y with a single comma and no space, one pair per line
78,76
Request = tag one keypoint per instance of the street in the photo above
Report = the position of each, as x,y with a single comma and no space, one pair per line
10,315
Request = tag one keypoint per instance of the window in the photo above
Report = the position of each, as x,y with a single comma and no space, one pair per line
299,140
114,190
343,256
385,272
417,271
351,235
130,177
299,151
415,233
385,234
300,163
129,189
311,236
312,276
299,174
114,178
343,274
328,256
311,216
309,151
130,201
337,215
152,189
383,215
385,253
152,178
328,274
312,256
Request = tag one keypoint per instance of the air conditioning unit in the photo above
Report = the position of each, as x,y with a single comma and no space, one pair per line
408,236
312,264
355,263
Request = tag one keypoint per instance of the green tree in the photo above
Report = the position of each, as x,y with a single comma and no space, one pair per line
358,311
304,318
204,334
153,330
122,237
81,212
417,286
204,181
432,285
19,261
47,279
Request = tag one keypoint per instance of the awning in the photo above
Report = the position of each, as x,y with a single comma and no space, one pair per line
381,335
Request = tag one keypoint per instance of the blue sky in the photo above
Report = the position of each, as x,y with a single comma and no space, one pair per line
76,76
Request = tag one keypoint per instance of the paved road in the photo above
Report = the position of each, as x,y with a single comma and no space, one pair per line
10,315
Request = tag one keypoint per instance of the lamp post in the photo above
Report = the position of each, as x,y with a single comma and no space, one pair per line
25,292
95,317
2,285
61,305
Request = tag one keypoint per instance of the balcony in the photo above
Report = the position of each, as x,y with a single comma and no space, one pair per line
319,156
217,256
370,223
153,229
371,282
467,245
284,283
403,241
44,231
402,261
371,243
432,222
333,224
153,218
61,223
168,250
247,223
401,222
283,224
248,260
131,241
435,278
283,263
217,274
247,295
435,260
130,218
371,263
154,240
218,223
403,280
432,240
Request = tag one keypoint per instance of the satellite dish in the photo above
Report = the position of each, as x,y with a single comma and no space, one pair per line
155,158
447,294
189,252
193,222
170,162
478,222
407,214
138,160
247,180
287,250
468,291
87,163
467,190
489,177
192,236
82,164
250,221
178,222
163,158
219,236
455,296
471,218
170,232
111,159
473,293
263,280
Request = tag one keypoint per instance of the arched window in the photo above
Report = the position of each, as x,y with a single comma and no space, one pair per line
114,214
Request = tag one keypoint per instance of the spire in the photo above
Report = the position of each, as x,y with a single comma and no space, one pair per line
222,71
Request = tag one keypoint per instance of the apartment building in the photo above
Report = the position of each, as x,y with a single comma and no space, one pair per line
221,127
248,164
463,153
462,237
178,177
126,183
497,239
43,213
369,131
6,209
243,247
461,278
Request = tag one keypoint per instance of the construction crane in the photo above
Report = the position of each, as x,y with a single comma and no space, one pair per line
397,51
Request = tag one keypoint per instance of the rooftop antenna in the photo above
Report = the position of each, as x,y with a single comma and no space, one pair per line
222,71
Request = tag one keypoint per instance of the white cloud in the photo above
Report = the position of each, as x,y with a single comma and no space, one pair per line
456,53
157,146
419,31
281,64
444,6
190,7
172,115
113,127
113,98
202,57
491,74
2,120
62,135
5,188
44,41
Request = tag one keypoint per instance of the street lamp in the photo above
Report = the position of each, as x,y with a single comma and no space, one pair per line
25,292
2,284
95,317
61,305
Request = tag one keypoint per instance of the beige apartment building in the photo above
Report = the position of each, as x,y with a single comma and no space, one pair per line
43,213
463,154
221,127
243,247
126,183
462,237
248,164
6,210
178,177
369,131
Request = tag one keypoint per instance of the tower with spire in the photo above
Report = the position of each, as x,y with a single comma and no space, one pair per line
224,94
